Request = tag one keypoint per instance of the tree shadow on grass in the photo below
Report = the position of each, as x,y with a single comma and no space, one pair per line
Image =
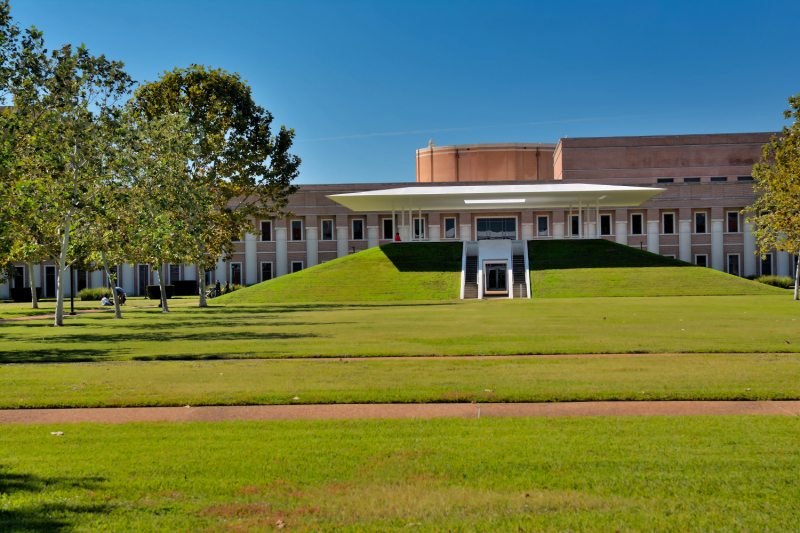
54,355
41,515
178,335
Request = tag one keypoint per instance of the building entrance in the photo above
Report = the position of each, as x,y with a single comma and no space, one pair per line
496,279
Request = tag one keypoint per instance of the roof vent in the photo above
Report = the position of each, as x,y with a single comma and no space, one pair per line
430,144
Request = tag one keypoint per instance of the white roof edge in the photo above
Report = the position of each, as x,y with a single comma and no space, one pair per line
496,189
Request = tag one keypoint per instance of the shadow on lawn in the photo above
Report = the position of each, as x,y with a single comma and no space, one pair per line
38,515
55,355
162,336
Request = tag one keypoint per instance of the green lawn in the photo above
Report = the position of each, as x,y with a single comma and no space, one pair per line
742,324
392,272
410,380
47,306
594,474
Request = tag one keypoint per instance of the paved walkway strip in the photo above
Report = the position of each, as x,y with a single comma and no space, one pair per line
351,411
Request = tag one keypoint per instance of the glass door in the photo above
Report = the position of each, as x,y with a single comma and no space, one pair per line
496,274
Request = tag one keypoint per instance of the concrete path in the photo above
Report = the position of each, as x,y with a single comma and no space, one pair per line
351,411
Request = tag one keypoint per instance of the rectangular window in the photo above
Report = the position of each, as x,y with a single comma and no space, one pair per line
700,223
80,280
297,266
636,224
542,226
605,224
497,228
266,230
19,277
720,178
358,230
208,278
419,228
236,273
665,180
266,271
701,260
450,228
174,273
766,265
744,178
671,256
327,230
297,230
691,180
387,229
575,225
733,264
733,222
669,223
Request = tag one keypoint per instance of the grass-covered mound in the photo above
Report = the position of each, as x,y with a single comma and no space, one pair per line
399,271
596,267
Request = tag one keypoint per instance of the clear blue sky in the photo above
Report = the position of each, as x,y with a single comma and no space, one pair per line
364,84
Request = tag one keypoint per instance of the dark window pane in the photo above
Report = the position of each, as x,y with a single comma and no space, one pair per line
636,224
701,260
665,180
542,229
605,224
327,230
733,265
669,223
721,178
766,265
297,266
700,222
575,225
387,229
691,180
744,178
266,271
510,230
266,231
358,230
450,228
733,222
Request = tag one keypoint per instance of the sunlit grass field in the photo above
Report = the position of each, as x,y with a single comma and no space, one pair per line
593,474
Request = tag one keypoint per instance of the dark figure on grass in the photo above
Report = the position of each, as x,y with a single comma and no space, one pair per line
218,288
227,288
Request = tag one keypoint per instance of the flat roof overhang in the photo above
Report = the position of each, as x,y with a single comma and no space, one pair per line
496,197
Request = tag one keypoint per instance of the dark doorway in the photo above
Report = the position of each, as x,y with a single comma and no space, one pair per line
144,279
50,281
496,278
236,273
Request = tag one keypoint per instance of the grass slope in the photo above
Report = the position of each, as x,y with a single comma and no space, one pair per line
410,380
401,271
722,474
476,327
597,267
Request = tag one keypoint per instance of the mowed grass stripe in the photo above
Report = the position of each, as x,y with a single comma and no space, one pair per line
743,324
721,474
262,382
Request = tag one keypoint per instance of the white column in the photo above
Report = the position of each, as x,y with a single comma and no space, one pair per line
591,231
621,231
394,224
250,259
558,230
652,236
569,223
527,231
372,236
465,232
312,246
190,272
783,263
281,252
685,240
580,219
717,255
749,250
434,233
341,241
222,271
127,278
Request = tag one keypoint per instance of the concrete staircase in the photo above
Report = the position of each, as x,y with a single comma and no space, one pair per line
520,287
471,278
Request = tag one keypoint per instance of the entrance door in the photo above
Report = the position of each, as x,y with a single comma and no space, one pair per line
49,281
144,279
236,273
496,278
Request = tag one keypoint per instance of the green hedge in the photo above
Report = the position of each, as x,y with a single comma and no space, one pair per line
154,292
784,282
96,294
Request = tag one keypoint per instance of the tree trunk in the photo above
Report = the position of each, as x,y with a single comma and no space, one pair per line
202,272
117,311
34,300
163,286
62,271
797,280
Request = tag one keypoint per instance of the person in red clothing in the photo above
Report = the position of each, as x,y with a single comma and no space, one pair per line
397,237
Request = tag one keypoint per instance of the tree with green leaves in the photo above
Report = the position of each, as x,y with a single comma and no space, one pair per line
248,169
776,212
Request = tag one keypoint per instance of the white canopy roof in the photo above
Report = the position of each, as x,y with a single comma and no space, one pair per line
494,197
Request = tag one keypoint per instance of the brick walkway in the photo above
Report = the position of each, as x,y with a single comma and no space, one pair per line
352,411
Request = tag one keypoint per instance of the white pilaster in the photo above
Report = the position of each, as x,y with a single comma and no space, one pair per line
591,232
373,236
341,242
652,236
281,252
222,272
685,240
749,250
465,232
435,235
312,247
621,231
558,230
250,259
717,253
4,291
783,263
96,279
527,231
127,278
190,272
